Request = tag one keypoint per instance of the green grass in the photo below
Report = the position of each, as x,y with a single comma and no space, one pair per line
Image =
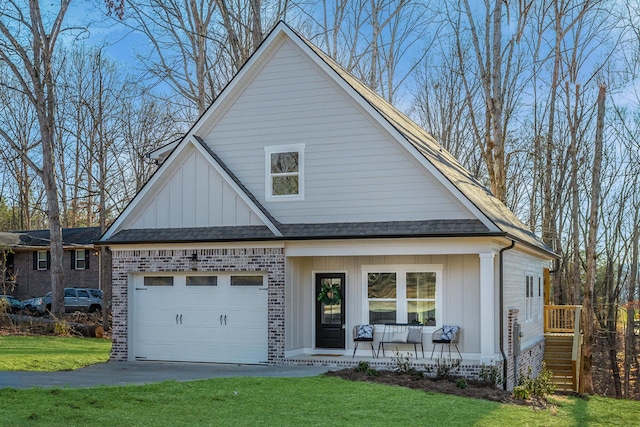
318,401
27,353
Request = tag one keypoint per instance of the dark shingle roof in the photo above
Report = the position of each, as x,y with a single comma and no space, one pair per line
82,236
434,228
195,234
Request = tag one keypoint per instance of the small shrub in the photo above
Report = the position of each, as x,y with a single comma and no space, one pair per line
461,383
521,392
540,386
62,328
363,366
447,368
403,363
490,376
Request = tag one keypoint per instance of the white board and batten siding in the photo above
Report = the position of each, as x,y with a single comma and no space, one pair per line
194,194
459,297
354,171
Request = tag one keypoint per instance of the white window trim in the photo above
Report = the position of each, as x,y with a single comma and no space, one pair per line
401,289
80,251
530,302
42,260
272,149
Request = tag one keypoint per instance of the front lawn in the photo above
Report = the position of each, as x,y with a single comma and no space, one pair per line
36,353
317,401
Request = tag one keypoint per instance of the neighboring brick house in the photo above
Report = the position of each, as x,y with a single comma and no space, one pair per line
27,269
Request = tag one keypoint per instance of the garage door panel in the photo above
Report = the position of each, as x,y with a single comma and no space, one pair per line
201,334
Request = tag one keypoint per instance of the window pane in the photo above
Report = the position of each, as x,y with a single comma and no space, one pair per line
82,293
69,293
80,255
422,312
284,162
284,185
247,280
158,281
382,312
421,285
331,314
382,285
202,280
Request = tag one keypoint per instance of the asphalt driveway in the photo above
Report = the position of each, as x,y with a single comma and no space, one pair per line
127,373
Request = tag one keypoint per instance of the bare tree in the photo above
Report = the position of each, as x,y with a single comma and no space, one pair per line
28,48
370,38
197,46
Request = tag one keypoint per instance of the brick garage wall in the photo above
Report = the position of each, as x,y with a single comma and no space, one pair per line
269,260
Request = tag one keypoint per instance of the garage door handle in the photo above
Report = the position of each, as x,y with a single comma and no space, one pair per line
181,319
225,319
221,319
176,319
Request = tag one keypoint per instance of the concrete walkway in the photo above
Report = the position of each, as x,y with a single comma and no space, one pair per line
126,373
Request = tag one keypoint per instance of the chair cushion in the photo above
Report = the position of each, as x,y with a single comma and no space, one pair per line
364,332
415,335
448,332
400,336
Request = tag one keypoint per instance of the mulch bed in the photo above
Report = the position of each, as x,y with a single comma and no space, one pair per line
473,390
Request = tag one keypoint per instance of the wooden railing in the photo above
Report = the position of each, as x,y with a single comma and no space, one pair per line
561,318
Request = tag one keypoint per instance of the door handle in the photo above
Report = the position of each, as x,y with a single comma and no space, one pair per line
225,320
176,319
181,319
221,319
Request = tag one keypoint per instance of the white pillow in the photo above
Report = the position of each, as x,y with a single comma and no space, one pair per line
400,336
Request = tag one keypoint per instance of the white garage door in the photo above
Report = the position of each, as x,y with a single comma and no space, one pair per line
200,318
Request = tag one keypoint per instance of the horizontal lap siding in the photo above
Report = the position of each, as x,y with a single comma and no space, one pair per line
353,171
516,265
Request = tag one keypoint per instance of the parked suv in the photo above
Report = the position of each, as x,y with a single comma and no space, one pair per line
75,299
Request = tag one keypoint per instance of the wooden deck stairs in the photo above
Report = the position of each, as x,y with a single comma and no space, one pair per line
563,345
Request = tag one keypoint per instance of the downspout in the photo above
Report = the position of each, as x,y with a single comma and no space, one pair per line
501,285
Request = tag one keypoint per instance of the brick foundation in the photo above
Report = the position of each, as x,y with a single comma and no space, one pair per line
269,260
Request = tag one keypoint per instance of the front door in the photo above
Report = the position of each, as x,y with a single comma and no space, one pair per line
330,326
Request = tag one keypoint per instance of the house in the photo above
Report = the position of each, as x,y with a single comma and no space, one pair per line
27,271
299,177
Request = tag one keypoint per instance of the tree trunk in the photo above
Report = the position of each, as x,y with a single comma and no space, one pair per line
588,303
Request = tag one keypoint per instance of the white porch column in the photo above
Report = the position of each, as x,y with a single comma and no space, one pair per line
487,307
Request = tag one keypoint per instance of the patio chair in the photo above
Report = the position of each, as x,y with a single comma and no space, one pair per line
449,335
363,333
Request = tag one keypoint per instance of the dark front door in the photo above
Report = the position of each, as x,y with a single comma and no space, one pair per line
330,327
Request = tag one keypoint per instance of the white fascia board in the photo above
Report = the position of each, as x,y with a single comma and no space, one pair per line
399,246
391,130
162,152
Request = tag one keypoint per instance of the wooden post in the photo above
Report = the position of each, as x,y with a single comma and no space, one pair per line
547,287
